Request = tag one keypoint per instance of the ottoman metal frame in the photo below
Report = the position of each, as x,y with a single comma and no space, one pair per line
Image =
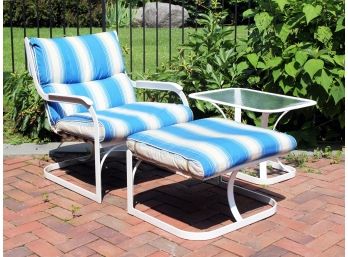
203,235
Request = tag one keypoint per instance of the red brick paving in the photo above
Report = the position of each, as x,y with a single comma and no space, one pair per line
309,221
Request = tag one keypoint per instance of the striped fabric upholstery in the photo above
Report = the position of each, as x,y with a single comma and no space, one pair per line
120,122
204,148
77,59
107,93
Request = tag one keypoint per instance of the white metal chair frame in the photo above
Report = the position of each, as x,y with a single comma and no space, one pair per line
88,103
204,235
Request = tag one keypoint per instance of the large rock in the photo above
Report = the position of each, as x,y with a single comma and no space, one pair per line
163,16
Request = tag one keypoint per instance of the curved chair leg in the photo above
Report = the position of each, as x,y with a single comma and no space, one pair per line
205,235
97,196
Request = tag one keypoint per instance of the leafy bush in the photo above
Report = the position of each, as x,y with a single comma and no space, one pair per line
298,49
207,61
60,12
293,49
117,13
204,6
26,108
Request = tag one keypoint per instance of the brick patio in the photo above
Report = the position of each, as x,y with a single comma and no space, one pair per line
44,219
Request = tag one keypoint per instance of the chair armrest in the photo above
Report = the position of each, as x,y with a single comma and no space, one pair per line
70,99
160,85
85,101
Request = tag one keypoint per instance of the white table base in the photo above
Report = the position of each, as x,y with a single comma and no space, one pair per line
264,179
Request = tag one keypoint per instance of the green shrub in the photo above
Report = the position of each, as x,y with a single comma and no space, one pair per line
60,12
297,48
291,49
25,107
207,61
204,6
117,13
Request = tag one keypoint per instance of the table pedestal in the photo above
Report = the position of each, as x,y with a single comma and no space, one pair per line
262,178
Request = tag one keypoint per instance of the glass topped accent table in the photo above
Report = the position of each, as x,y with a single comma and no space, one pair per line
265,103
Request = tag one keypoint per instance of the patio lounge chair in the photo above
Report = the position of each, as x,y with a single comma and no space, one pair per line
88,94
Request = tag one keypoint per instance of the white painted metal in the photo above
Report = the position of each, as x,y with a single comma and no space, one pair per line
204,235
98,147
238,115
289,172
220,110
264,120
305,102
160,85
279,118
230,196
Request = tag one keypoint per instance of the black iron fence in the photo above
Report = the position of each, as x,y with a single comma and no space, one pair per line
145,47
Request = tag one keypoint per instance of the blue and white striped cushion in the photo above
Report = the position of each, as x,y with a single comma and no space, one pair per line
107,93
206,147
77,59
120,122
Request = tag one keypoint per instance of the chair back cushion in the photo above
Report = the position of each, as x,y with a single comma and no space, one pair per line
77,59
106,93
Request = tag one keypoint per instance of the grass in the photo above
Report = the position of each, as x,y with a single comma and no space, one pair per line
124,35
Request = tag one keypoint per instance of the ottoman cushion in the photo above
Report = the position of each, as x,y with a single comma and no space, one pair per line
204,148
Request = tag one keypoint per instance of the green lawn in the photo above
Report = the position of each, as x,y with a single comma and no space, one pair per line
124,35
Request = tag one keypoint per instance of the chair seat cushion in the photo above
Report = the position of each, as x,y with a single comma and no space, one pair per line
117,123
204,148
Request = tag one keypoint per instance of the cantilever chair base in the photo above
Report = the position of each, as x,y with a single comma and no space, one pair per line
95,196
204,235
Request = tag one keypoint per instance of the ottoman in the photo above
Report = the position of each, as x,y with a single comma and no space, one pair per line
204,149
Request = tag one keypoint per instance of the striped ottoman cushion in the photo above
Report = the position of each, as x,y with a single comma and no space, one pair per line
206,147
119,122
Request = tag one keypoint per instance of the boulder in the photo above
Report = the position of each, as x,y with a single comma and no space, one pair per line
163,16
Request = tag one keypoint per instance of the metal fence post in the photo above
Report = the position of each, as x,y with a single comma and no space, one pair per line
103,16
64,20
144,40
37,18
11,25
90,15
170,32
235,23
77,18
117,25
130,39
50,19
24,29
157,61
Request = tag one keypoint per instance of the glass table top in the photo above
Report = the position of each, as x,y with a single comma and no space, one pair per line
253,100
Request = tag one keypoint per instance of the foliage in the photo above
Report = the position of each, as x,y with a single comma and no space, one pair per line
58,13
298,159
26,107
45,197
117,13
328,153
204,6
74,211
207,61
298,49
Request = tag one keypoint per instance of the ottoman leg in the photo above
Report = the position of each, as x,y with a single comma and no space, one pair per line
204,235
